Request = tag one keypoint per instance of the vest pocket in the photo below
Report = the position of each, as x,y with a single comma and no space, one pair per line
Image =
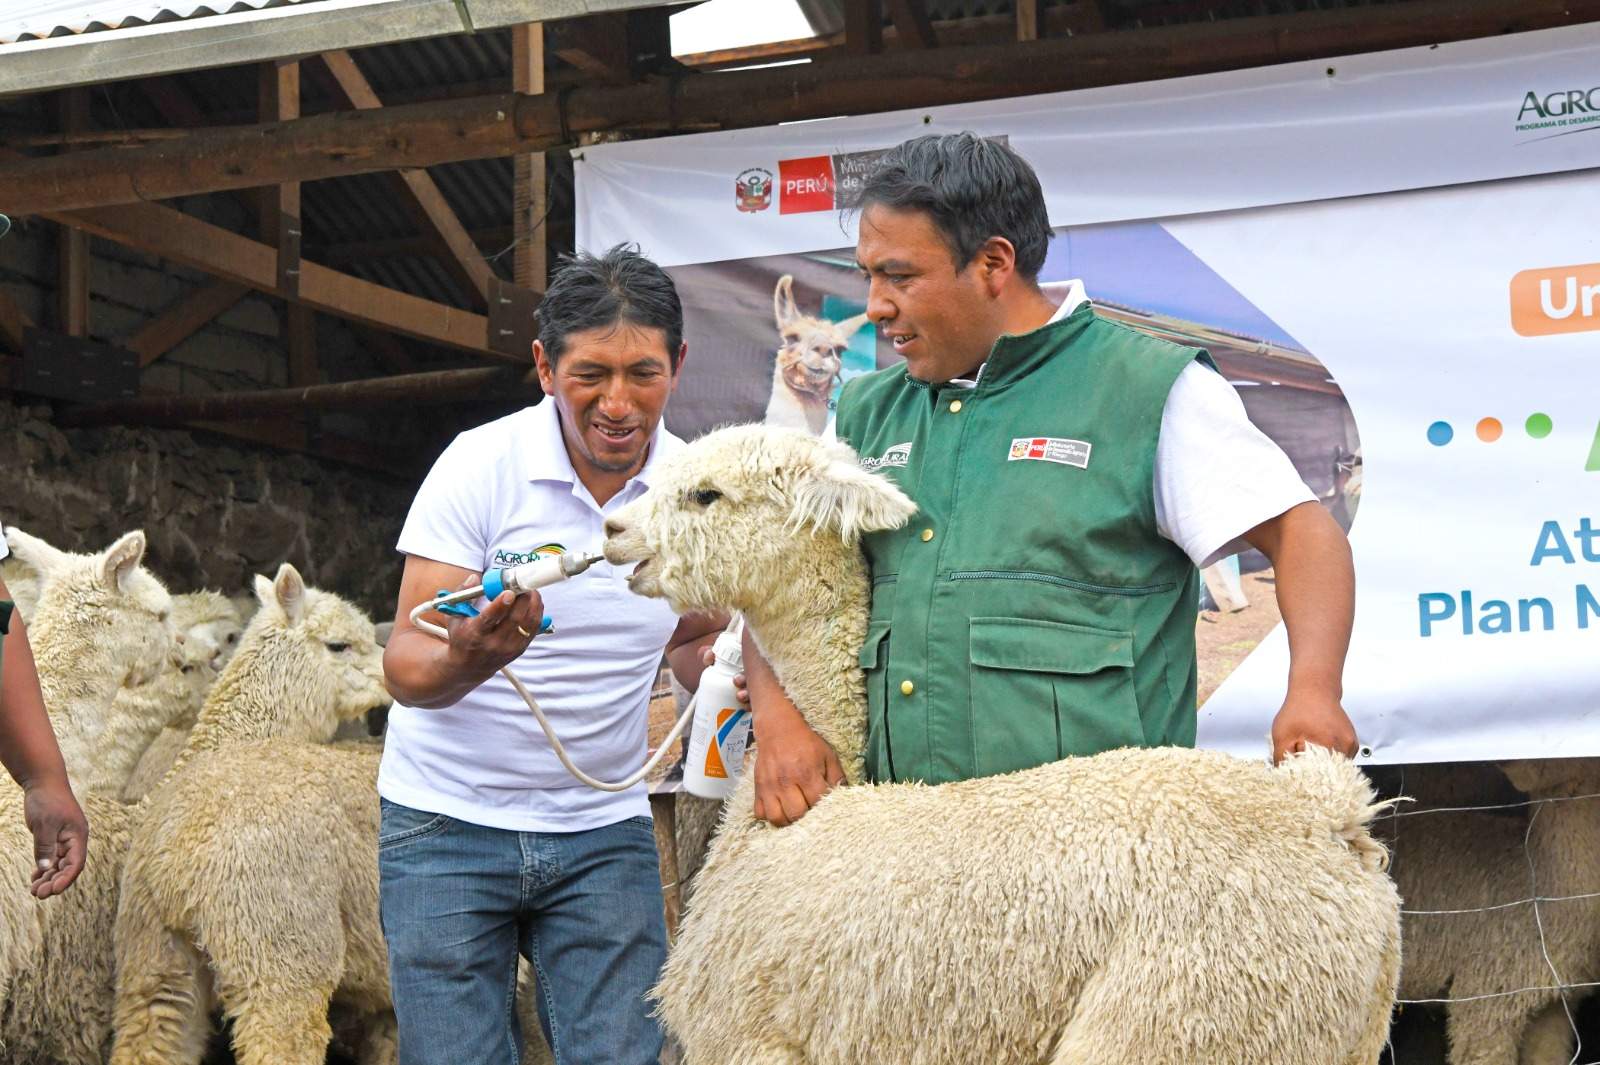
874,664
1044,690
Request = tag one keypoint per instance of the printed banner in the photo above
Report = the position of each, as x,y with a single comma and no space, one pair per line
1386,255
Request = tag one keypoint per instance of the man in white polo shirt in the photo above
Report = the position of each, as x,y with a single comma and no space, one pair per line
488,847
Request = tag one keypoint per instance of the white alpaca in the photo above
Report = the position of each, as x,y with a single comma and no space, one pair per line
274,951
1142,906
211,627
1471,860
306,660
102,623
808,362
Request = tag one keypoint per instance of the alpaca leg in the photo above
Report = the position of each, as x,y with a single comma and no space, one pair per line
381,1043
163,1000
1481,1033
280,1026
1548,1038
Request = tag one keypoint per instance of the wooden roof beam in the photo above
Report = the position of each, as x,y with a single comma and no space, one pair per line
187,316
416,135
911,19
462,255
173,235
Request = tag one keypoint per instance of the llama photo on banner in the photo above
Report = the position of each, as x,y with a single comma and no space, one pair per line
1415,328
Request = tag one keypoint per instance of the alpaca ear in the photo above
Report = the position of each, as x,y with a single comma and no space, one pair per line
844,498
289,592
783,308
265,596
850,326
34,552
120,559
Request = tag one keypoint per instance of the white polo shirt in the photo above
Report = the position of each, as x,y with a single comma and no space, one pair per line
499,494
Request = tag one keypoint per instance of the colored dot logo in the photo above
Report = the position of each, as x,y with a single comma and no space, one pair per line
1538,426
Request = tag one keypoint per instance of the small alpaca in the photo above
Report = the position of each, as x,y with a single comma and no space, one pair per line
1141,907
808,362
1478,862
307,660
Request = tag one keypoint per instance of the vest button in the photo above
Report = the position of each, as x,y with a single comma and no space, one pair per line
927,534
955,406
906,687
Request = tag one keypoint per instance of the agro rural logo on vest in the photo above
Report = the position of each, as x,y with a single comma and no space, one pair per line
898,455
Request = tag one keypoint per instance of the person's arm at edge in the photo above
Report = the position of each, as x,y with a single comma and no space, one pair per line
689,647
423,671
29,751
1316,588
795,767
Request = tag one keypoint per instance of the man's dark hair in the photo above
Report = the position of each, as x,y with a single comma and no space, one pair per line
972,189
594,291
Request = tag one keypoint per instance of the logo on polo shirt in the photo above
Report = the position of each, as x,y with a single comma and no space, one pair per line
1051,449
503,558
898,455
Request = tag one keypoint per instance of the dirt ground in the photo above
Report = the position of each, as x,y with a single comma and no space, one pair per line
1223,640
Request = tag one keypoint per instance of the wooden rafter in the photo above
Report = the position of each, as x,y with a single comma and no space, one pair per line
183,319
183,239
13,320
863,27
530,189
73,244
448,131
1030,24
463,256
596,45
911,19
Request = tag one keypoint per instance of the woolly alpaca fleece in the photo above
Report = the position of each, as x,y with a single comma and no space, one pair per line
1467,860
102,623
279,948
57,955
1143,907
139,713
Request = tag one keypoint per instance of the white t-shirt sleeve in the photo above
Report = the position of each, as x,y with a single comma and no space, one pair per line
1216,475
447,522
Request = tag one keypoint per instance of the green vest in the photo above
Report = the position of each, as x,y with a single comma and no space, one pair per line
1030,610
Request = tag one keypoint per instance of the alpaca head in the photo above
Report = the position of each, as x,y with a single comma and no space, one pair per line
808,360
211,628
106,607
745,510
210,625
315,648
1550,777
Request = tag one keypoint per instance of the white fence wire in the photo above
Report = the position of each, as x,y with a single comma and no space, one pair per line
1534,899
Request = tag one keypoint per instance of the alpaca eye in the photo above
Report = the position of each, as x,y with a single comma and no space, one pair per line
338,648
705,496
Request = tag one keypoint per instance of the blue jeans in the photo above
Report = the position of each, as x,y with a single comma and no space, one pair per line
460,901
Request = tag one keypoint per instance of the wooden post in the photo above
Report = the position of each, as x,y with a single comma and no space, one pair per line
1029,23
280,226
530,191
863,27
74,242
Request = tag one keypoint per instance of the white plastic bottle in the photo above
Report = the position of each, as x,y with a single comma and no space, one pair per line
721,728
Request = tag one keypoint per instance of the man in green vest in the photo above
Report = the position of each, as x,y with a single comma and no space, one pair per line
1070,473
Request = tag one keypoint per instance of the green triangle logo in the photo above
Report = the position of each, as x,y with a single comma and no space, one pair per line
1594,453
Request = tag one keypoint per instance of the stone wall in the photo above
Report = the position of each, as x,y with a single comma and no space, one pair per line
215,512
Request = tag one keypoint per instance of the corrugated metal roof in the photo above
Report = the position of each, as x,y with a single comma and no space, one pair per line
25,20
